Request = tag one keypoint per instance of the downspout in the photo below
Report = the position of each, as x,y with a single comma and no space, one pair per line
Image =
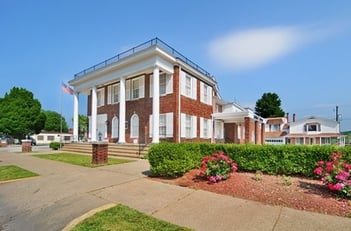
179,98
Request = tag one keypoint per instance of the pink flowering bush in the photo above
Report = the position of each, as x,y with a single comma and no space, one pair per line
217,167
335,174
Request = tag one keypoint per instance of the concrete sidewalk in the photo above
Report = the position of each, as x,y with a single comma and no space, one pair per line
63,192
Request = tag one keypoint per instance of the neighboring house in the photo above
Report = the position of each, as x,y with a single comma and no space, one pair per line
239,125
46,137
152,93
315,130
276,130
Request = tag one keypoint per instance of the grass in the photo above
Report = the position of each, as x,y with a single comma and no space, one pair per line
76,159
123,218
12,172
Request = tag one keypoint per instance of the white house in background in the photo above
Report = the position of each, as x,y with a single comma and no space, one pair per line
48,137
315,130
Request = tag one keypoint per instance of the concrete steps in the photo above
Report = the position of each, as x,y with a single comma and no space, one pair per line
123,150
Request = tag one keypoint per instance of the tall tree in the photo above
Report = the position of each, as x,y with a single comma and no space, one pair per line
20,113
53,122
83,125
269,106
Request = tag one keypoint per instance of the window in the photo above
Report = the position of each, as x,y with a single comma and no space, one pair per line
205,128
100,94
40,137
165,125
51,138
312,128
163,84
166,84
275,127
113,93
188,126
299,140
114,127
135,88
188,85
325,140
67,138
162,127
134,126
206,93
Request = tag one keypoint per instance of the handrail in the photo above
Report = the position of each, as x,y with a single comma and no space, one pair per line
153,42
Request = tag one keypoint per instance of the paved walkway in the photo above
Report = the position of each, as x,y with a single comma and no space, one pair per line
63,192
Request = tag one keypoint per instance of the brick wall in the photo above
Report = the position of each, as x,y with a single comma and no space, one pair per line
168,103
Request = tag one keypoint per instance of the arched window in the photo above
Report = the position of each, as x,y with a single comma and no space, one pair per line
114,127
134,126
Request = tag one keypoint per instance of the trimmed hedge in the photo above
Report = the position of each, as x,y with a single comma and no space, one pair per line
171,159
55,145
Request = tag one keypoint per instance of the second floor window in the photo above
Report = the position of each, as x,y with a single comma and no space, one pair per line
100,94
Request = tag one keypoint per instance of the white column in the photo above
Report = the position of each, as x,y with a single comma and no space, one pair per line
93,114
75,117
156,105
122,111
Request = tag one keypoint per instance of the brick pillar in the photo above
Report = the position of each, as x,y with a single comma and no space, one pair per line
248,130
263,128
257,132
26,145
235,135
100,153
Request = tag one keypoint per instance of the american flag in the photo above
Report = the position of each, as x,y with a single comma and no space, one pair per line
67,89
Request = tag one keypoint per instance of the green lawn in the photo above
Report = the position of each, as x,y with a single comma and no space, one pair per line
12,172
82,160
123,218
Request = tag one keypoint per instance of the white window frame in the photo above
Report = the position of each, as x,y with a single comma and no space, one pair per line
100,96
115,127
165,120
205,128
206,93
188,126
188,85
135,85
113,94
219,126
134,126
167,88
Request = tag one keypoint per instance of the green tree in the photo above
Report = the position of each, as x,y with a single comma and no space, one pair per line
20,113
269,106
53,122
83,125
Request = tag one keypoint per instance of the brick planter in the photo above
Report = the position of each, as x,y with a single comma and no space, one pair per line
3,143
100,153
26,145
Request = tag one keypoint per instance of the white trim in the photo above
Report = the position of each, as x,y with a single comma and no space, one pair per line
156,105
93,114
122,111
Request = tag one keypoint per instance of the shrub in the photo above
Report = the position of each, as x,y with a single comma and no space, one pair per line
55,145
335,174
167,159
217,167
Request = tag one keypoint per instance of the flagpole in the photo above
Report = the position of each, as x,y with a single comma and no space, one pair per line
61,119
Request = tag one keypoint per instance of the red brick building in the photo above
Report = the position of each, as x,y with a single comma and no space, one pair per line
151,93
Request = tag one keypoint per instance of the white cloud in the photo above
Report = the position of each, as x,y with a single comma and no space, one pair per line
253,48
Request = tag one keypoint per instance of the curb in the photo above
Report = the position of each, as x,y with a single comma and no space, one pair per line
90,213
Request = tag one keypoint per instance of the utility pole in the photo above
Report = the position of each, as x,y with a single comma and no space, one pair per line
337,113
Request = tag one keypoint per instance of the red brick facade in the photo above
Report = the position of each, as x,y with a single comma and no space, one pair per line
168,103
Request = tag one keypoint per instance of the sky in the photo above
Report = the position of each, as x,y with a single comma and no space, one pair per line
300,50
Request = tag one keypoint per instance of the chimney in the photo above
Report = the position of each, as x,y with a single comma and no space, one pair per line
287,117
294,117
